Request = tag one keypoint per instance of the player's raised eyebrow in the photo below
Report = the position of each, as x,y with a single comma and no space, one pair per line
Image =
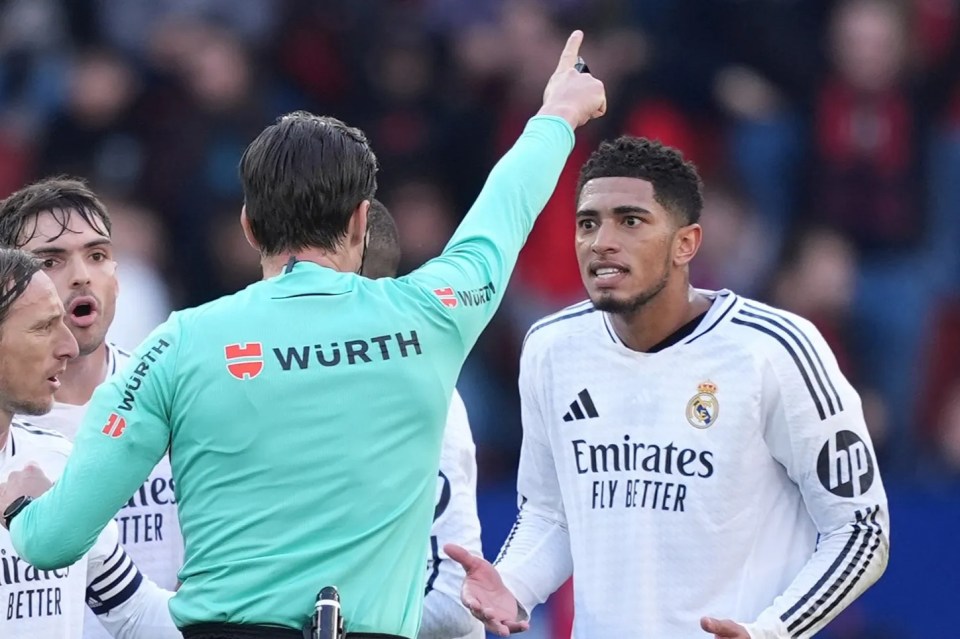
629,209
625,209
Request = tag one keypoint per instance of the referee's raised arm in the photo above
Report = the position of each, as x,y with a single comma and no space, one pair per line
469,276
304,413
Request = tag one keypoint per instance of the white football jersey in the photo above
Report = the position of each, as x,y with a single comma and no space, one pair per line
50,603
455,517
149,525
728,474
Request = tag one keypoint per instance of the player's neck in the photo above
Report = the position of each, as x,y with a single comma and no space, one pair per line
274,265
83,375
677,304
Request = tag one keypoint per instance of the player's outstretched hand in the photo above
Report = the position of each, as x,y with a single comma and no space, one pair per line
724,628
484,594
576,97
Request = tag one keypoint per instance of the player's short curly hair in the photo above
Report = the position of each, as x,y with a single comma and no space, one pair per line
676,184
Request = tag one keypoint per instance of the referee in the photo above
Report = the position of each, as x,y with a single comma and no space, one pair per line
304,414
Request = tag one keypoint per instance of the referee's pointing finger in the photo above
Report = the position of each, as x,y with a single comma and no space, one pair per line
570,51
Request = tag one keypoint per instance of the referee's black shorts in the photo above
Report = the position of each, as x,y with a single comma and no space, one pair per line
248,631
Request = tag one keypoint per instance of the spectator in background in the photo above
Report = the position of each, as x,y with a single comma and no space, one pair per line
98,131
866,181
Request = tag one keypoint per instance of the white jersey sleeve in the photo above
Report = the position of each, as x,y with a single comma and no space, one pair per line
129,605
455,521
535,559
815,428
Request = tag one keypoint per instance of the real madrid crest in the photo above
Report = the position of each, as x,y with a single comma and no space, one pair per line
703,409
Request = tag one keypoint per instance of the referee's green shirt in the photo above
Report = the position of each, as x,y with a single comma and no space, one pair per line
304,416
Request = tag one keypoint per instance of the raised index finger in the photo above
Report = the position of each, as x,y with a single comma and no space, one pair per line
570,51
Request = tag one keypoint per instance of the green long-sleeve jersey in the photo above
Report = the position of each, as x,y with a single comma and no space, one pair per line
303,416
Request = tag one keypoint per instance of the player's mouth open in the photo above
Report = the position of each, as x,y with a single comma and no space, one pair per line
54,380
83,311
608,273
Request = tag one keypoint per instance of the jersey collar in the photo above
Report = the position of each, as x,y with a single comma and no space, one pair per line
723,301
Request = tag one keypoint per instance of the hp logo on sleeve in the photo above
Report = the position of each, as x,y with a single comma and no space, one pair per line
844,466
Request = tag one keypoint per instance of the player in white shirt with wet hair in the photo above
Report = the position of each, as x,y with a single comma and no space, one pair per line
36,601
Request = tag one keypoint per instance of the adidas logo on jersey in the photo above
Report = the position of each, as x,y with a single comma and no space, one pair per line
581,408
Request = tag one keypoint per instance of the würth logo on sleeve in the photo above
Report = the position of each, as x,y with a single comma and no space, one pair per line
244,361
447,296
114,426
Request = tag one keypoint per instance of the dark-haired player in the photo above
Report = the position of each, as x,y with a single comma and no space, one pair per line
687,454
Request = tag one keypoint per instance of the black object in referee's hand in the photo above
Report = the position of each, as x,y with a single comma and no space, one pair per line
327,620
581,65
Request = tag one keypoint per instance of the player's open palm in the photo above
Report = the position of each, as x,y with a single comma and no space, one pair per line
724,628
484,594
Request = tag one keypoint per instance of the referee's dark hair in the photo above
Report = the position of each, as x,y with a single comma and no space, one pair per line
17,268
676,184
60,196
303,177
383,243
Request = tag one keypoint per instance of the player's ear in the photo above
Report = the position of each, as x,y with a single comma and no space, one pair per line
686,244
247,233
357,227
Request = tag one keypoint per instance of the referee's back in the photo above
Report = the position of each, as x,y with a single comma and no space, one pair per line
304,417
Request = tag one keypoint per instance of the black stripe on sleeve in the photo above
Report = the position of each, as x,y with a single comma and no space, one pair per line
874,529
435,555
793,354
102,607
830,571
806,339
111,563
513,533
130,567
803,349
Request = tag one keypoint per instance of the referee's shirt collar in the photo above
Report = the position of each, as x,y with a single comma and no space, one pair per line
323,280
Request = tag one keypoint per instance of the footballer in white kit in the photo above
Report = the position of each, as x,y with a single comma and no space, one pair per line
63,223
694,479
455,520
50,603
696,460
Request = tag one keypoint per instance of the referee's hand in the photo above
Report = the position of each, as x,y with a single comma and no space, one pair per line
724,628
485,596
576,97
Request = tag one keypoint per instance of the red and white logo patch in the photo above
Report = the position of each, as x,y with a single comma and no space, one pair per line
447,297
114,426
244,361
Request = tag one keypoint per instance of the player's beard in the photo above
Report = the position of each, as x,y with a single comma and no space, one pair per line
630,306
26,407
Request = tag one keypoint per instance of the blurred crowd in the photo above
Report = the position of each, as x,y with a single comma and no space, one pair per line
828,134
